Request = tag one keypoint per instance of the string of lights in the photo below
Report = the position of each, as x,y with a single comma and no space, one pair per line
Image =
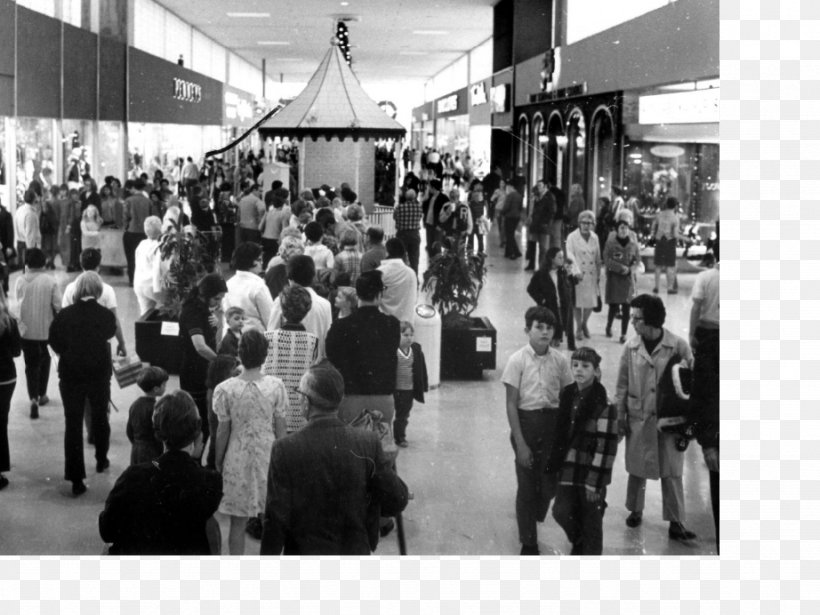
344,41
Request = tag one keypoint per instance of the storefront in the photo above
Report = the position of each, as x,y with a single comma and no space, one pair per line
501,120
173,113
480,127
238,115
423,128
452,134
671,148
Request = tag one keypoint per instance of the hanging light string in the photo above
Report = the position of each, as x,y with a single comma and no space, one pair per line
344,41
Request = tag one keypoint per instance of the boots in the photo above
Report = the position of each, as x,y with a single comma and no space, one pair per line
530,256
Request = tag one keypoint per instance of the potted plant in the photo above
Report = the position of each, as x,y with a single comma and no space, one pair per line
189,255
453,281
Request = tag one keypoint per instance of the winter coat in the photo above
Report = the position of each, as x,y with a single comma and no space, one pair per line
649,453
586,262
620,262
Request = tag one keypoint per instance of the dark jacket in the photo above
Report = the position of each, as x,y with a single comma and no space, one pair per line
327,485
10,347
161,508
419,373
543,211
543,291
363,348
438,203
80,334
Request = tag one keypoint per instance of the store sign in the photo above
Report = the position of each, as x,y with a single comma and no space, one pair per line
448,104
695,107
187,91
572,91
500,95
238,108
478,94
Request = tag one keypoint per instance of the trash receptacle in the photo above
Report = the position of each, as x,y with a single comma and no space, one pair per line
427,323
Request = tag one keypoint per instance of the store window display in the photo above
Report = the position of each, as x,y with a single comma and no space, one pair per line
35,151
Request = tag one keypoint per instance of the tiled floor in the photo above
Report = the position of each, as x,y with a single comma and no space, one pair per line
459,464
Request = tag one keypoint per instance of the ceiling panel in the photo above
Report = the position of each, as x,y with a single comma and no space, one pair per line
383,45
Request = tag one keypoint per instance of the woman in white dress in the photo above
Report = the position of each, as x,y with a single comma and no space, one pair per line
251,409
584,251
146,264
90,226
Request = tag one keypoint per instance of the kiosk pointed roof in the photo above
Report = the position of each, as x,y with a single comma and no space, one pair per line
333,104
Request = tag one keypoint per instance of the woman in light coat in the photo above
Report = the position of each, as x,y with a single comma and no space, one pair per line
650,454
584,253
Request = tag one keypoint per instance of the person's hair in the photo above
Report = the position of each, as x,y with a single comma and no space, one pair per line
176,420
211,285
139,184
90,259
375,234
354,213
152,223
369,285
435,184
307,195
151,377
671,203
587,355
253,348
245,255
301,269
248,188
295,303
5,316
395,248
220,369
88,284
621,222
313,231
277,183
349,238
652,309
323,385
539,313
54,190
549,256
106,188
35,258
348,195
155,193
324,218
233,311
290,246
30,196
586,215
348,293
576,190
405,325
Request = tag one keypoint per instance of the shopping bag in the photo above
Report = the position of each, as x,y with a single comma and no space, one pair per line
373,420
126,370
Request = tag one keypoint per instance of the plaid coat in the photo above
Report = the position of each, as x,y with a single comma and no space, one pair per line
593,439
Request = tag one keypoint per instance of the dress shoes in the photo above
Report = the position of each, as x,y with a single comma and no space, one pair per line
678,532
43,400
78,487
634,519
103,465
35,410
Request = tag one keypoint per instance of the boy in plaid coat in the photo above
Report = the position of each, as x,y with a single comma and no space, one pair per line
587,455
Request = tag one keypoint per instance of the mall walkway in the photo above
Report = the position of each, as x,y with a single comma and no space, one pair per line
459,463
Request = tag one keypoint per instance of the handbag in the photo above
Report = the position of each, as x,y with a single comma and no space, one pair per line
599,306
126,370
373,420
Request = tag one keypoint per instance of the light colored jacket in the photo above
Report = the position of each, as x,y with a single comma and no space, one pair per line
649,453
27,224
586,261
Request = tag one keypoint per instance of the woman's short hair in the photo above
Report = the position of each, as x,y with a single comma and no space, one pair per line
88,284
354,213
350,238
290,246
211,285
313,231
301,269
652,309
348,293
296,303
152,223
586,215
176,420
549,256
35,258
245,255
253,348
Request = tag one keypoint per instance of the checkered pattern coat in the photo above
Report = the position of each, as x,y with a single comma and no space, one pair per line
593,439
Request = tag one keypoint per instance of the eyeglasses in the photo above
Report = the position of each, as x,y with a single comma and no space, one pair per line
585,223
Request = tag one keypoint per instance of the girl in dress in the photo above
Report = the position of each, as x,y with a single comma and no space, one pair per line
251,409
90,226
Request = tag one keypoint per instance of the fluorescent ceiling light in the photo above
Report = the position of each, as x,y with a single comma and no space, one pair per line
248,14
344,3
273,43
431,32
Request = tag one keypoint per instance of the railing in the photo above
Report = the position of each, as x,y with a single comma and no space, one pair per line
383,216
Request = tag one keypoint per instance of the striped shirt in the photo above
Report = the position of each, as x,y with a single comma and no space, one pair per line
39,298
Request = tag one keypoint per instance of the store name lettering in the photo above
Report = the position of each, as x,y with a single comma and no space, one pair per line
445,105
187,91
478,94
237,107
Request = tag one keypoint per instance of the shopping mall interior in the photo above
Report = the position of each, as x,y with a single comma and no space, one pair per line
622,106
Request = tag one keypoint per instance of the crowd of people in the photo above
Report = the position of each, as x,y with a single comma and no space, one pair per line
313,331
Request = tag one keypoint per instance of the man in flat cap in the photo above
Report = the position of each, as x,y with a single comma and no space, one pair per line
328,482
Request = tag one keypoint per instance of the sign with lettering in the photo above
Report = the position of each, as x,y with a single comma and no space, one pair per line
238,108
501,98
445,105
478,94
187,91
694,107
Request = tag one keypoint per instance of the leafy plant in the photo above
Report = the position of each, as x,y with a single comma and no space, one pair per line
455,278
190,254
